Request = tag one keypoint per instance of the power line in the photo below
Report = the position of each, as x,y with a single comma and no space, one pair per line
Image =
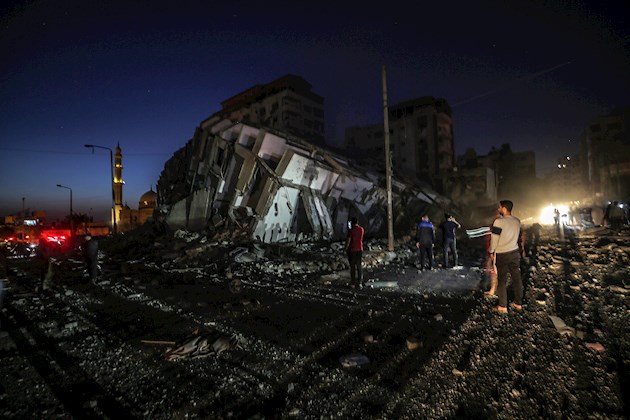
56,152
520,79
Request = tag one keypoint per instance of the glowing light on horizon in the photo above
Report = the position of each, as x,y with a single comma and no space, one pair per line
547,214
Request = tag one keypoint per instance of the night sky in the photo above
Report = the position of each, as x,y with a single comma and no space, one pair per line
145,74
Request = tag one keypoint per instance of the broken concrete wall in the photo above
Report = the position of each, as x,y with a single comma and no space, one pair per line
200,209
294,190
177,216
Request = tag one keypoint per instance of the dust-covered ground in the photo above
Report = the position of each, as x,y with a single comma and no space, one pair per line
184,326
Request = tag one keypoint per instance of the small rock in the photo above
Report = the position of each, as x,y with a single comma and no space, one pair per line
598,347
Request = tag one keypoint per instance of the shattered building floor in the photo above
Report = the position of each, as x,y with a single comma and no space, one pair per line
203,329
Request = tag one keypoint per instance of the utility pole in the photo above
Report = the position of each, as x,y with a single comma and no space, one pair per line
71,213
388,166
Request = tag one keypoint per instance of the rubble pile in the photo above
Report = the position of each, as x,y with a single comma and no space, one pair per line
200,327
274,187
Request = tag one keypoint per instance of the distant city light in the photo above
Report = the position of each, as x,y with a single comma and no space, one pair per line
547,213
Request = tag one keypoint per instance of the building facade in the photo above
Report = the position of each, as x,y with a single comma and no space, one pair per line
286,104
513,175
565,182
605,153
421,138
132,218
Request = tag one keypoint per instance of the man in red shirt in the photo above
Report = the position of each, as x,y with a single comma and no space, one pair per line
354,248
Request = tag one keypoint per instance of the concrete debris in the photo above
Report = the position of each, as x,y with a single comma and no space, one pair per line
597,347
561,327
382,284
413,343
270,186
6,343
353,360
295,309
202,345
618,289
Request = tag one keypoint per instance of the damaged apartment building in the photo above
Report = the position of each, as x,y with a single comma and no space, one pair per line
423,147
287,187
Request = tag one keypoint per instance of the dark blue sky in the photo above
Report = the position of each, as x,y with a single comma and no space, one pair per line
144,74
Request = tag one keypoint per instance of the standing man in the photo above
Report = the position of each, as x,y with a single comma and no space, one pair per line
448,227
354,248
505,251
425,238
91,256
42,256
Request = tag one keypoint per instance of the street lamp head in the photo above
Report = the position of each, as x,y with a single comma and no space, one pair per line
88,145
59,185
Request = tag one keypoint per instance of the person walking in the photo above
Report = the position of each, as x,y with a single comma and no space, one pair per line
425,240
505,250
449,239
354,249
91,256
42,258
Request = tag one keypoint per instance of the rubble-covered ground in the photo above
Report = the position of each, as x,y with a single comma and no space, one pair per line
274,331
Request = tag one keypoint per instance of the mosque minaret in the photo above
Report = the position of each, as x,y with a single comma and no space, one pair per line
118,182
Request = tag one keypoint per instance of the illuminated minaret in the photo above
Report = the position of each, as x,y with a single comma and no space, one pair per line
118,181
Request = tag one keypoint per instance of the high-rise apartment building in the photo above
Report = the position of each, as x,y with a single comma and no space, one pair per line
286,104
565,182
605,151
421,138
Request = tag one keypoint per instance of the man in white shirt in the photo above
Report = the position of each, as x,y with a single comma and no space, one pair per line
505,250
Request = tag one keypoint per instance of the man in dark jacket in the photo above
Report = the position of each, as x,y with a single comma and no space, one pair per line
425,238
449,241
91,255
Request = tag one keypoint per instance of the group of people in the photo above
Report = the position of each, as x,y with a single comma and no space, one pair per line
505,250
47,250
425,241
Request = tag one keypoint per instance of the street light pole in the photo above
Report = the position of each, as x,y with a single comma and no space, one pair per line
71,214
111,168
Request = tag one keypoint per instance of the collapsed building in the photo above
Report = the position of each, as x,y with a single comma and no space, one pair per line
281,188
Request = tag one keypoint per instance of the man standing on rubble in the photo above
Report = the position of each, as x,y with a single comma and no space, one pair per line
354,249
505,250
449,240
425,239
91,256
